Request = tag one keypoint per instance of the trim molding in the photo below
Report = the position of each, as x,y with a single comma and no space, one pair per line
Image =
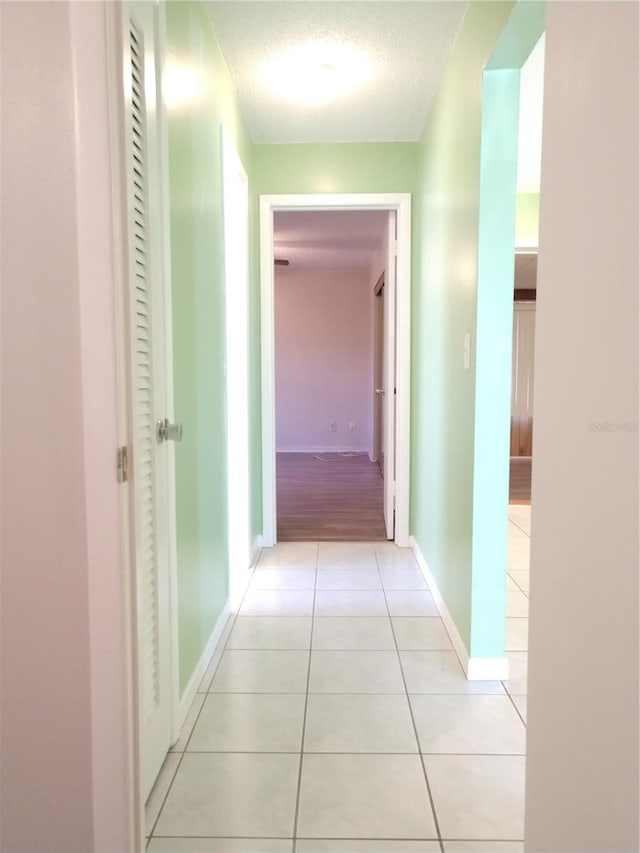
191,689
256,549
401,203
476,669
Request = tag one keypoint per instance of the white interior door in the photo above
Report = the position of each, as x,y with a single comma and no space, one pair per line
389,374
236,270
151,456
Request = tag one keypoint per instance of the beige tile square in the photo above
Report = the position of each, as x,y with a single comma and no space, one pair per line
517,682
364,723
271,632
517,634
232,794
411,602
299,555
358,632
283,579
420,632
364,796
355,672
478,796
346,555
403,579
349,602
440,672
262,671
348,579
278,602
468,724
249,722
389,557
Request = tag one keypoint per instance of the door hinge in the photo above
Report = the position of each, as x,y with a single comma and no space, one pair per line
395,247
123,464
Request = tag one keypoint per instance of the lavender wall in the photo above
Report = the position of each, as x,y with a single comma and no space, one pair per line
324,373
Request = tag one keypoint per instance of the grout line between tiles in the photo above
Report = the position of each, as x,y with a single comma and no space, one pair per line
415,729
306,705
228,629
524,722
515,524
164,799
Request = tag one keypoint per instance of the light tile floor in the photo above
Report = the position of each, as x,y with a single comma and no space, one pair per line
335,717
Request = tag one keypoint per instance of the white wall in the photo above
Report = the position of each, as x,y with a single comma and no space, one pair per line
582,740
323,357
66,783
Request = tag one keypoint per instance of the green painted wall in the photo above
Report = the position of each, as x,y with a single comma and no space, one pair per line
494,333
198,323
527,216
494,325
444,310
466,211
363,167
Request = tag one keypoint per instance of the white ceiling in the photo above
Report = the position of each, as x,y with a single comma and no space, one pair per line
406,42
329,240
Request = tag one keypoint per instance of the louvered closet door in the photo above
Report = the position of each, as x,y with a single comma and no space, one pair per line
147,383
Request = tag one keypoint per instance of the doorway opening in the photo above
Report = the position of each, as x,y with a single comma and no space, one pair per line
522,372
306,405
329,483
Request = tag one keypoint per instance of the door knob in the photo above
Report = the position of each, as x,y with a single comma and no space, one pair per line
380,392
168,432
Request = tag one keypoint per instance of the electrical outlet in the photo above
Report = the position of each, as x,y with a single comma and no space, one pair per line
333,426
352,426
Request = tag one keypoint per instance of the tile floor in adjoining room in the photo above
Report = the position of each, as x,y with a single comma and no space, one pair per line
335,717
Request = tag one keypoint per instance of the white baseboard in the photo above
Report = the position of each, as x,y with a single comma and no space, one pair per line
317,448
201,667
256,549
488,669
476,669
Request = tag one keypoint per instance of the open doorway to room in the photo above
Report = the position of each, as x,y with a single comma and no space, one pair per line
324,416
522,401
329,275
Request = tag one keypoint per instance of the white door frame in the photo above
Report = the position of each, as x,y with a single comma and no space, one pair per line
401,203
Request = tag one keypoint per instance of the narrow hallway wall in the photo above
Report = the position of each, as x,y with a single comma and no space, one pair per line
444,311
582,768
197,268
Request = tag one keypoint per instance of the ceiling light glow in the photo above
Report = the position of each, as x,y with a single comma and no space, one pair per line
181,85
316,72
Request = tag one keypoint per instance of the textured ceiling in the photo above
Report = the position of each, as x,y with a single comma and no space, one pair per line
329,240
406,42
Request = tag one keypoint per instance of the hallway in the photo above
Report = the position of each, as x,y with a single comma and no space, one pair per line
338,661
